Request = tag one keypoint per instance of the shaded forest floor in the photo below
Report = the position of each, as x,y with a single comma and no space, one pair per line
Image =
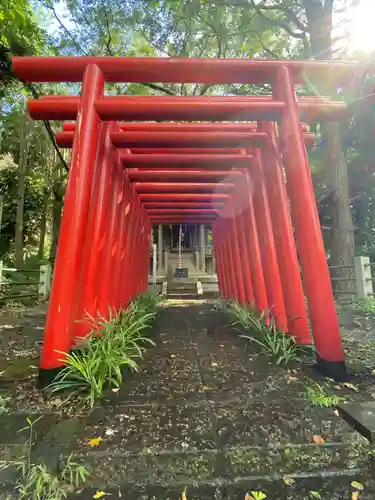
206,412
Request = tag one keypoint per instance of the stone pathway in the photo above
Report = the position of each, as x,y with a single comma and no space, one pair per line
209,414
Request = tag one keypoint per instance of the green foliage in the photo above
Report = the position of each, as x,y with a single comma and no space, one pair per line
18,28
36,178
280,346
260,329
73,472
36,481
190,28
364,306
148,302
19,35
113,344
317,395
245,318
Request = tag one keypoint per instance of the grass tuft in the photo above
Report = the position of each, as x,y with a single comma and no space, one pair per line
37,482
114,343
259,328
364,306
318,396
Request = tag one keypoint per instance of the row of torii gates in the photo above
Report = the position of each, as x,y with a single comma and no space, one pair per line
236,162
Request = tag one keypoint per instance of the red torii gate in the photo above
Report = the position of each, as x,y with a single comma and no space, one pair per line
227,174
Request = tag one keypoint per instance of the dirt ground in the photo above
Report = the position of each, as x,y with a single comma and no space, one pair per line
206,412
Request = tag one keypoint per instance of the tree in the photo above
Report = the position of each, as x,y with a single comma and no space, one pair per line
22,166
19,35
202,28
309,22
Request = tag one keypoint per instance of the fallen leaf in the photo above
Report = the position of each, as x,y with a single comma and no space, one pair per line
115,389
315,494
289,480
318,440
206,388
350,386
94,442
357,485
257,495
100,494
355,495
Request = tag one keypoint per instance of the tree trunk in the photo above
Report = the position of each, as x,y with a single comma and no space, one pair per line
342,243
56,222
57,206
43,224
22,167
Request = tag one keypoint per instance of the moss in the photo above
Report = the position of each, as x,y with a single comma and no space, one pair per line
18,367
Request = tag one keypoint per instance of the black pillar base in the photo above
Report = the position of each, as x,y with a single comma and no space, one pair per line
332,369
47,376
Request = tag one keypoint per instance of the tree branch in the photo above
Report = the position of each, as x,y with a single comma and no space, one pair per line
267,50
154,44
154,86
48,127
64,28
109,40
279,22
109,49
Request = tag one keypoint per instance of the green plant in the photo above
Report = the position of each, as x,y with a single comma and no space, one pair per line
36,482
280,346
318,396
73,472
112,345
147,301
364,306
244,318
90,371
260,329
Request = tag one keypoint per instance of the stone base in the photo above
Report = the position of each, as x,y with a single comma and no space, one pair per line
47,376
332,369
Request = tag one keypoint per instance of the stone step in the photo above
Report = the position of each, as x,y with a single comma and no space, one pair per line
281,472
290,472
182,296
182,287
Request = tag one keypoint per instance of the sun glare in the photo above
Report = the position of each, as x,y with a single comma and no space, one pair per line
361,28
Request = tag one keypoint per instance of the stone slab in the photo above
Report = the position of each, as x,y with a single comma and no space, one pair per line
14,428
361,416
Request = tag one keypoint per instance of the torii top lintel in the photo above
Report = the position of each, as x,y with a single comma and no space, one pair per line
182,70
